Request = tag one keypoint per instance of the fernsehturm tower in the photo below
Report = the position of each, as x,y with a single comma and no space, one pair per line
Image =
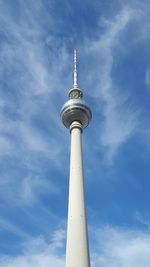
76,115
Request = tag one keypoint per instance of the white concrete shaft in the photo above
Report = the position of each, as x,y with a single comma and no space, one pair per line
77,251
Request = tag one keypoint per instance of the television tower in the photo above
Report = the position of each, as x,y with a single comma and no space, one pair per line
76,115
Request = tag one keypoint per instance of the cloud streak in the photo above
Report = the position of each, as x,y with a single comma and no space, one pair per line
119,117
29,76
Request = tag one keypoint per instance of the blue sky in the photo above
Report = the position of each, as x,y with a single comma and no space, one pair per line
37,39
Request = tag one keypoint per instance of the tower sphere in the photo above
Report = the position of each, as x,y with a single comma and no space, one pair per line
75,109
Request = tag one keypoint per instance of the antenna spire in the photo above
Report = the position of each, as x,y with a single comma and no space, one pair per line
75,69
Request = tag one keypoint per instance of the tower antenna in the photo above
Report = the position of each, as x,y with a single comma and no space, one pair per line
75,84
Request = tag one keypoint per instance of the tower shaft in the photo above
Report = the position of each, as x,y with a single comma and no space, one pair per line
77,251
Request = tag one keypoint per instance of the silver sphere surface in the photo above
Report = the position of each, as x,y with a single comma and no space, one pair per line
75,110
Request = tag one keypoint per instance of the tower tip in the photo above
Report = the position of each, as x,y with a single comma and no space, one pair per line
75,69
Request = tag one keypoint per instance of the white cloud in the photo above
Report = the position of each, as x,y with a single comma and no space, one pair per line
32,186
147,77
6,145
31,71
117,247
38,253
58,236
30,77
112,247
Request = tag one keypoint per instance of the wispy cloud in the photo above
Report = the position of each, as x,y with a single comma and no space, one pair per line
39,252
147,77
119,118
144,220
121,247
13,229
30,78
